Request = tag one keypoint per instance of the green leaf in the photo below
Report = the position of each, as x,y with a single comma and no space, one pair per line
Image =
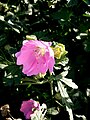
69,83
62,14
15,29
70,113
66,99
81,116
72,3
86,44
1,18
84,27
86,15
52,111
12,69
64,73
3,39
87,2
2,66
7,81
41,35
64,60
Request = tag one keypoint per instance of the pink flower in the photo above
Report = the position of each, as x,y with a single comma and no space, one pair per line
28,108
36,57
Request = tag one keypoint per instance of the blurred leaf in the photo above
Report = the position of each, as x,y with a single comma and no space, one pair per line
87,2
86,15
11,81
62,14
41,35
2,66
86,44
72,3
1,18
85,27
12,69
8,81
16,30
3,39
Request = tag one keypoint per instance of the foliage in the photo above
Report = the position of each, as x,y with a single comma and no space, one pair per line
59,21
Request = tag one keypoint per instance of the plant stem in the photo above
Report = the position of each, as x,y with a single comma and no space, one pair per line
11,116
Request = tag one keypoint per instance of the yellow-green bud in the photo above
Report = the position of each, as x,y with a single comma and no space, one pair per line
59,50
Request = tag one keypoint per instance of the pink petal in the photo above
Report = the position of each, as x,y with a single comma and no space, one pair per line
28,115
29,65
51,64
25,107
42,65
34,70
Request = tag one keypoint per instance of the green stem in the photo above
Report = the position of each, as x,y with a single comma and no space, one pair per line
51,86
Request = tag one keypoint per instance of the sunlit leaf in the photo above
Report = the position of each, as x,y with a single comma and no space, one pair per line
64,73
70,113
3,66
69,83
64,60
16,30
1,18
81,116
66,99
52,111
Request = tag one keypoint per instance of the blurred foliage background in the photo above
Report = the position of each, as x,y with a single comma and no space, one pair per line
64,21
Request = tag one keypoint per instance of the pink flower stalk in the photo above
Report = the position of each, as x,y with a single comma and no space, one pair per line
28,108
36,57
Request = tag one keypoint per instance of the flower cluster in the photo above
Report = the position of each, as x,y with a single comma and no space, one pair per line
36,58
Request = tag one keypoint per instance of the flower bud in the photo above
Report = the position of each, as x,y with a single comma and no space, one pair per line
31,37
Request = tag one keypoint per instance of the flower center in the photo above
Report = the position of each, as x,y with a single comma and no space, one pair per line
39,52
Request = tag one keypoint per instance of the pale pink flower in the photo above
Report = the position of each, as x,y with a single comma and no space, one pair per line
36,57
28,107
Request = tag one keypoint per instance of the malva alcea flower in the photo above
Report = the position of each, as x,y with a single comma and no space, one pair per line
36,57
28,107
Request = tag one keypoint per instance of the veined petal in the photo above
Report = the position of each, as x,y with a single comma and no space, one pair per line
33,69
51,64
28,65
